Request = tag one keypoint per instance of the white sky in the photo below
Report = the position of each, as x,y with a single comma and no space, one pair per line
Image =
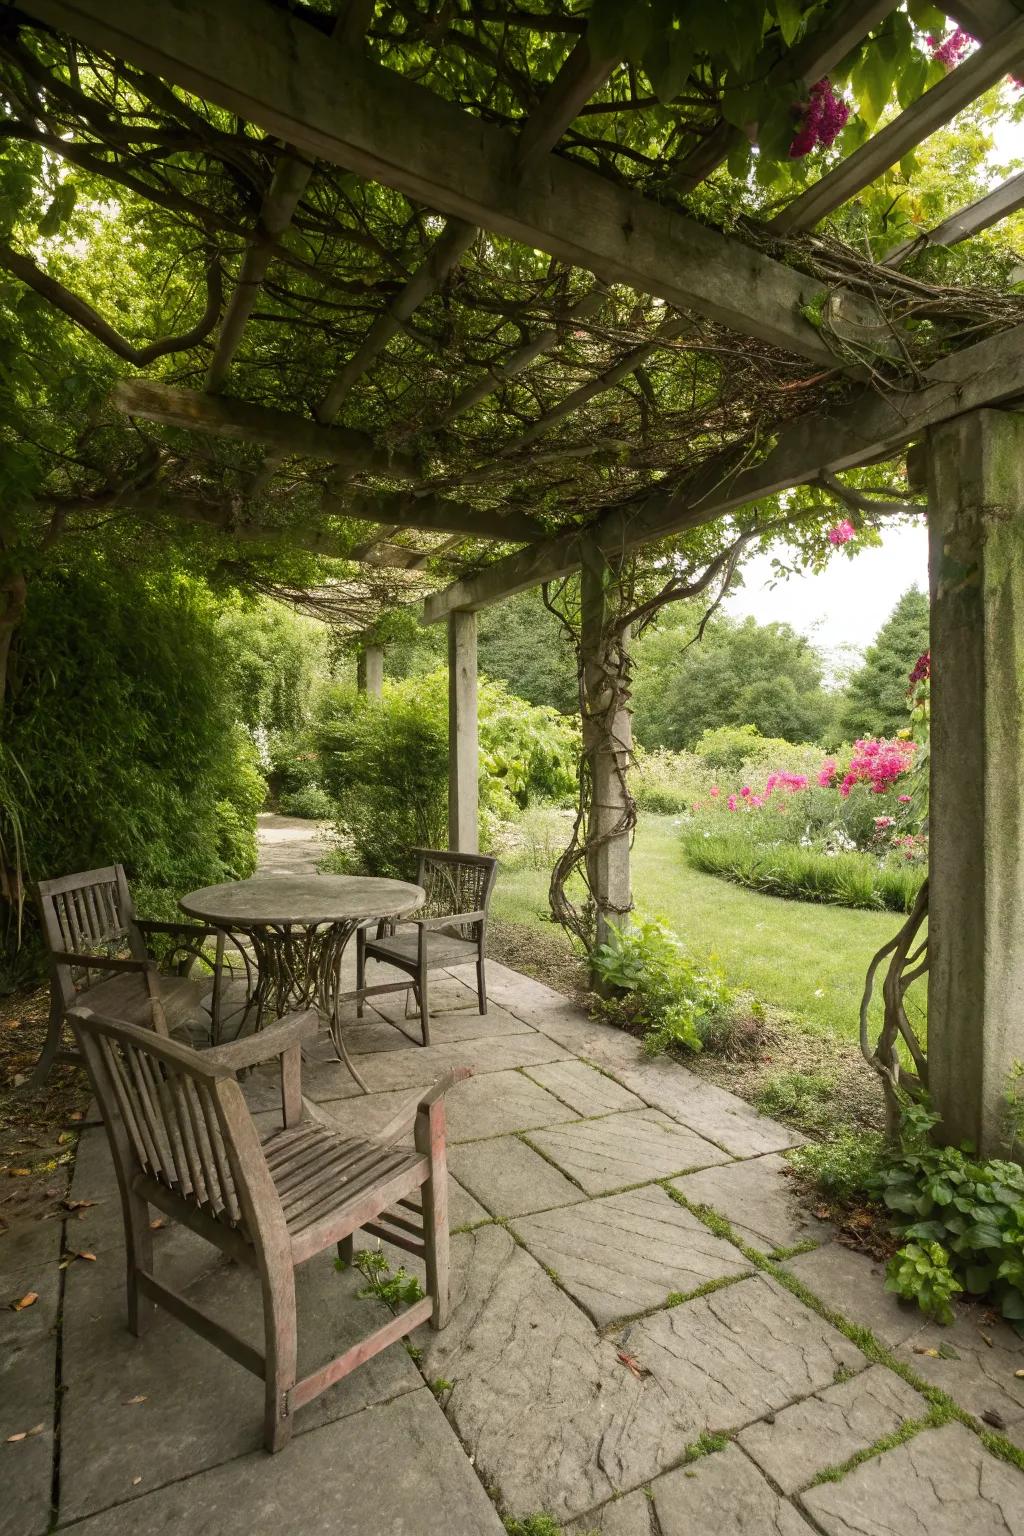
849,601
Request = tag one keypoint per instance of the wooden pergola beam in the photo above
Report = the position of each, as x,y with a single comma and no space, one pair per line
927,114
274,70
857,433
972,220
434,514
222,416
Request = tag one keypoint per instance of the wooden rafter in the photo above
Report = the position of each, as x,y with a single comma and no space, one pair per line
988,210
989,373
274,71
929,112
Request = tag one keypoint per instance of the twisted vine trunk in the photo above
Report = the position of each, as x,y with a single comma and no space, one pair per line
908,959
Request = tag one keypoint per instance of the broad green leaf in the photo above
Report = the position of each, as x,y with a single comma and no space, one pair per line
668,62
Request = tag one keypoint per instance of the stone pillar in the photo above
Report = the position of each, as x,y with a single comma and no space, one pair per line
607,743
976,895
463,784
370,671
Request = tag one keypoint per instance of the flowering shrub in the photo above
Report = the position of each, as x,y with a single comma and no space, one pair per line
842,533
950,50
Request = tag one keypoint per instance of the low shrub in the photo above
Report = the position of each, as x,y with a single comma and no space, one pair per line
655,987
803,874
844,1168
666,783
310,801
806,1098
731,747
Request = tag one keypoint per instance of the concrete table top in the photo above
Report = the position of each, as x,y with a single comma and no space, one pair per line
304,900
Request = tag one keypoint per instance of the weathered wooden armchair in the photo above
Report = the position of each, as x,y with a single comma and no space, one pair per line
183,1140
99,949
449,929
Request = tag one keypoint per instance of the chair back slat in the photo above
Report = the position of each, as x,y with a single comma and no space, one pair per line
87,914
171,1108
455,883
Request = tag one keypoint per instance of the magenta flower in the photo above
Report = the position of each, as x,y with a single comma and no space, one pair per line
756,801
820,120
922,668
745,791
715,791
827,773
731,802
904,799
884,821
950,50
842,533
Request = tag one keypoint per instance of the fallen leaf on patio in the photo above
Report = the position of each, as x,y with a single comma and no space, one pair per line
947,1352
932,1354
141,1398
90,1256
990,1416
76,1114
78,1205
986,1339
28,1300
136,1481
26,1434
20,1173
69,1258
633,1364
157,1223
64,1137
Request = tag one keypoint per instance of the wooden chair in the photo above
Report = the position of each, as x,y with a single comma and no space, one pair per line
449,929
99,949
183,1140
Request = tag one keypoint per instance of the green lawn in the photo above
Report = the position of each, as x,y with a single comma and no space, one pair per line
806,958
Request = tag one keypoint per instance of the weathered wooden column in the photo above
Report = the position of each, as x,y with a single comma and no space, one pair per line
976,899
463,771
607,743
370,671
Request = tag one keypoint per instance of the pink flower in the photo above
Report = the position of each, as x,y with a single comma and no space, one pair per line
715,791
884,821
745,791
827,773
904,799
821,119
731,802
756,801
842,533
950,50
697,806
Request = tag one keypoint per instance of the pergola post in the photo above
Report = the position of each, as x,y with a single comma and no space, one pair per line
463,770
370,671
607,744
976,897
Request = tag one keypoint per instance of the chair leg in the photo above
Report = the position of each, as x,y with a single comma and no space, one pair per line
421,987
54,1030
360,969
435,1235
346,1248
280,1332
481,982
138,1241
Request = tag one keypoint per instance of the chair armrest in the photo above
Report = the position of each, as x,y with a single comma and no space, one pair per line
101,962
404,1121
194,930
446,920
267,1043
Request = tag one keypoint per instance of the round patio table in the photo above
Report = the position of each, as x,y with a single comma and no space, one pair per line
299,926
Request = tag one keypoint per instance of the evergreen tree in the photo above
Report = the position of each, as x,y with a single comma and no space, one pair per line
876,698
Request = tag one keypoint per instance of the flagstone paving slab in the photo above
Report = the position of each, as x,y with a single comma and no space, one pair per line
630,1148
585,1089
758,1201
723,1493
509,1177
494,1104
28,1374
460,1024
626,1253
392,1470
854,1285
739,1353
554,1415
198,1407
941,1483
975,1361
629,1516
827,1429
706,1108
445,994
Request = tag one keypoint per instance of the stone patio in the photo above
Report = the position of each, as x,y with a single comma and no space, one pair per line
611,1359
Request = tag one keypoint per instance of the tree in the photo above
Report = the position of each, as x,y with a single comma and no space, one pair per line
524,644
740,673
876,698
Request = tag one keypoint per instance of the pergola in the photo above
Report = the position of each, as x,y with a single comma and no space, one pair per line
472,328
